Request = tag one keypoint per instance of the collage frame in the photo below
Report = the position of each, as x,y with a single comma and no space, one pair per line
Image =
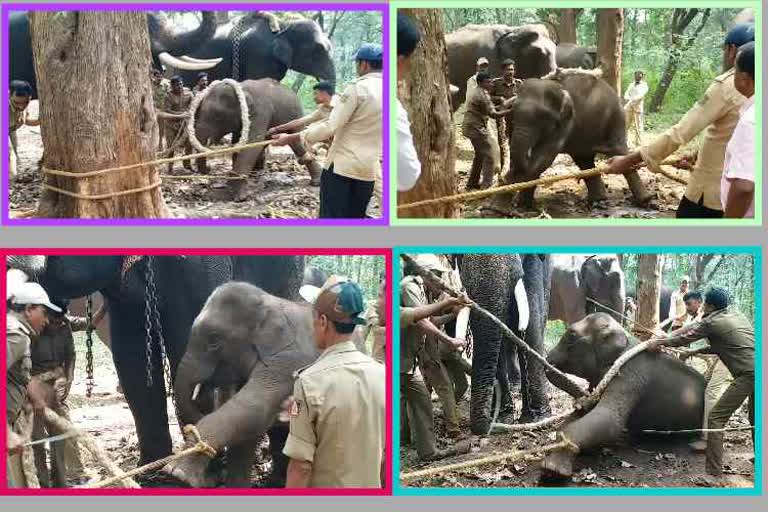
757,490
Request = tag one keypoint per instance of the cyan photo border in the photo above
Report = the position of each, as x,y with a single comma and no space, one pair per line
400,490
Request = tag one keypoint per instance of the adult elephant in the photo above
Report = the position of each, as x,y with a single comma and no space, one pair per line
514,288
569,55
653,391
579,277
665,300
165,45
172,289
252,49
573,112
269,104
528,45
251,342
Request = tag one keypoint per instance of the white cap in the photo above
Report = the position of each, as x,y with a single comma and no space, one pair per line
686,279
33,293
482,60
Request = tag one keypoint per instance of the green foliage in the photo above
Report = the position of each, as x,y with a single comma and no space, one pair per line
364,270
554,331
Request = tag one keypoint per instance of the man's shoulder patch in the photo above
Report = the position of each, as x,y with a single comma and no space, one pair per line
704,99
296,408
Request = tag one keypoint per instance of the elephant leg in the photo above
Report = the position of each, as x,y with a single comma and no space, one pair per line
595,186
313,166
639,192
278,435
148,404
507,405
239,463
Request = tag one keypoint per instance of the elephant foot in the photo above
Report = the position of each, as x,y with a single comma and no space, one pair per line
473,185
532,416
644,200
192,470
557,466
596,197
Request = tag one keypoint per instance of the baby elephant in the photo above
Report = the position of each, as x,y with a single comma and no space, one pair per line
250,341
653,391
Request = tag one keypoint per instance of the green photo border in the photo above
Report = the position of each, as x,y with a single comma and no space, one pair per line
395,221
399,490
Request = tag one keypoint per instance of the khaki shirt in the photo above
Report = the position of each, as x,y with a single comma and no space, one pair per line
18,364
355,125
56,347
321,113
717,112
479,109
338,418
505,90
412,339
730,335
16,117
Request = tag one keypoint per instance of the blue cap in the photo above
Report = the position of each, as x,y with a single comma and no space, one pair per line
741,34
369,52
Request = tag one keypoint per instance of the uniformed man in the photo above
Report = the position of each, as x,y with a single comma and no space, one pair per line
347,183
481,66
324,95
160,90
633,108
25,320
732,338
717,375
53,367
201,83
337,420
677,309
408,163
379,350
717,112
415,401
19,98
502,91
177,102
475,128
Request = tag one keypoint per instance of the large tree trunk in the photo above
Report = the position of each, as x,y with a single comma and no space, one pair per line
648,289
96,111
610,31
567,29
426,97
679,43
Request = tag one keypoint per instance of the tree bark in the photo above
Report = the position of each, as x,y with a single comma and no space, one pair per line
678,45
426,97
96,111
648,288
567,28
610,32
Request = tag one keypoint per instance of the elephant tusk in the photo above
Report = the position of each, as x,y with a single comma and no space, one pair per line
196,391
193,60
175,62
523,310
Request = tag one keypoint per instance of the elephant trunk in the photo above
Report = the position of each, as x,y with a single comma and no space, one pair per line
521,148
189,375
164,39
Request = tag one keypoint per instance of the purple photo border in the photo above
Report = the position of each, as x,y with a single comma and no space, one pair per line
382,8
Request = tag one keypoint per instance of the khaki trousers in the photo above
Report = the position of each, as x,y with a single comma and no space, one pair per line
415,400
741,388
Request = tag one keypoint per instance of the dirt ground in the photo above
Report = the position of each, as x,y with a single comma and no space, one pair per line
660,461
282,190
106,417
568,199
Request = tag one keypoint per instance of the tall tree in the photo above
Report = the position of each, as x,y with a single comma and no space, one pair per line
648,287
568,21
89,124
610,32
678,43
426,97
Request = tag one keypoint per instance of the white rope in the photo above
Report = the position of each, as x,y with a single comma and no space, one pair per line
244,117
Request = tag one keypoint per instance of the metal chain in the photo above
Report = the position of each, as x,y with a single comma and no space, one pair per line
148,326
237,32
89,382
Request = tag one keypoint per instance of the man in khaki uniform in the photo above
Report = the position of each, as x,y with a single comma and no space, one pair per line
475,128
677,309
480,67
504,89
717,112
732,338
177,102
160,90
18,101
347,183
633,108
337,420
25,319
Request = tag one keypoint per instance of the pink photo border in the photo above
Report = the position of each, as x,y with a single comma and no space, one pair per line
182,491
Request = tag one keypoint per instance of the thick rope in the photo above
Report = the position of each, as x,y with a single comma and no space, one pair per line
244,115
696,430
199,447
515,187
491,459
100,197
434,282
207,154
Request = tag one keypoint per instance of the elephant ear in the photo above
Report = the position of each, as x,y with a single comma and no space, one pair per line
610,342
514,39
282,50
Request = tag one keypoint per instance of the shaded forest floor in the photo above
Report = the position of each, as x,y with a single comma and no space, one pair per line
281,190
661,461
106,417
568,199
